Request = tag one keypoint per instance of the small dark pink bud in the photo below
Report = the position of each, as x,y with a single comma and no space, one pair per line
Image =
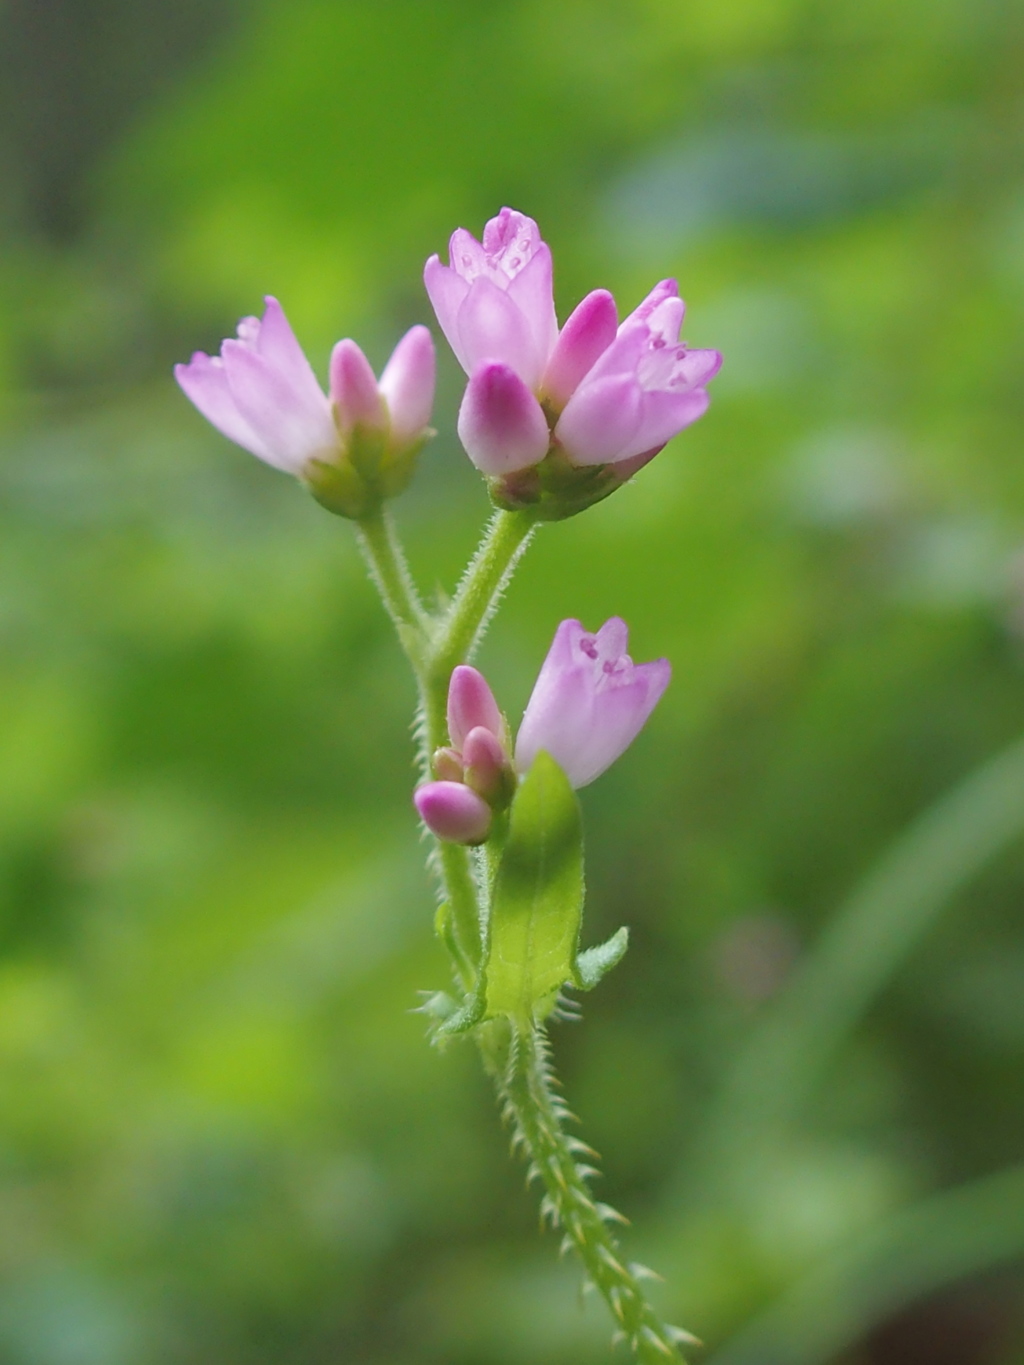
471,703
487,763
453,812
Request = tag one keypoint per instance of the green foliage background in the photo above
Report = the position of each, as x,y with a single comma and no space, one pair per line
222,1136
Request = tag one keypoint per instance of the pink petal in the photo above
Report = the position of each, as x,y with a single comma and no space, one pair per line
664,416
664,289
511,240
466,256
634,337
618,715
600,420
531,290
447,292
700,366
491,326
558,719
294,429
588,332
501,424
471,704
277,344
408,384
453,811
204,381
354,387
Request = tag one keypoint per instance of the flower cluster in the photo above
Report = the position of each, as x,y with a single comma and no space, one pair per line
589,703
555,419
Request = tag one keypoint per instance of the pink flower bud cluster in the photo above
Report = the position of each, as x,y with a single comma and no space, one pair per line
589,703
598,392
474,772
261,392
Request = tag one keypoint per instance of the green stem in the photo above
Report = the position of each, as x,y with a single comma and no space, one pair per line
386,560
456,874
480,591
522,1069
434,648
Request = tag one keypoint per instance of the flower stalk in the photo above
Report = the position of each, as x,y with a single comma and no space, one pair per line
555,420
519,1059
515,1052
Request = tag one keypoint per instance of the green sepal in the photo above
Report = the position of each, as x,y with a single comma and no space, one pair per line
369,470
467,1016
538,896
593,964
555,488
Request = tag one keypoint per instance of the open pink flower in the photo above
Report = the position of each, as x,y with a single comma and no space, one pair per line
590,701
261,392
643,390
611,394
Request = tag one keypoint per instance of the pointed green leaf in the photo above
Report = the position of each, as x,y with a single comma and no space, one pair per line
595,963
538,895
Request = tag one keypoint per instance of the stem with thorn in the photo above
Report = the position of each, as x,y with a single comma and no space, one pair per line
526,1084
514,1052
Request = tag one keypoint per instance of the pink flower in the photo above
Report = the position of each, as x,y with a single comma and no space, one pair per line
261,392
590,701
453,812
643,390
592,394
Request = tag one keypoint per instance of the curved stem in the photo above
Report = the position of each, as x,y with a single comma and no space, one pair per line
477,596
526,1084
389,569
434,647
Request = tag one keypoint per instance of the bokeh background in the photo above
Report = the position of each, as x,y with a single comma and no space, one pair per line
223,1138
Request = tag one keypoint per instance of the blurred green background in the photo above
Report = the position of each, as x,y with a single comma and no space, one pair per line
223,1138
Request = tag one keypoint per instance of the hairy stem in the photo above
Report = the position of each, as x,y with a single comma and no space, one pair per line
389,570
434,647
522,1069
479,593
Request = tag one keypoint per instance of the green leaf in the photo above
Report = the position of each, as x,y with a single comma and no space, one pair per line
538,896
595,963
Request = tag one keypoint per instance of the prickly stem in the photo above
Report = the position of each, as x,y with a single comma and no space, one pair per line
520,1063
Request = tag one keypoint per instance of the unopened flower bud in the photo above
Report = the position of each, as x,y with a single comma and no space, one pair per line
447,765
471,704
488,768
453,812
